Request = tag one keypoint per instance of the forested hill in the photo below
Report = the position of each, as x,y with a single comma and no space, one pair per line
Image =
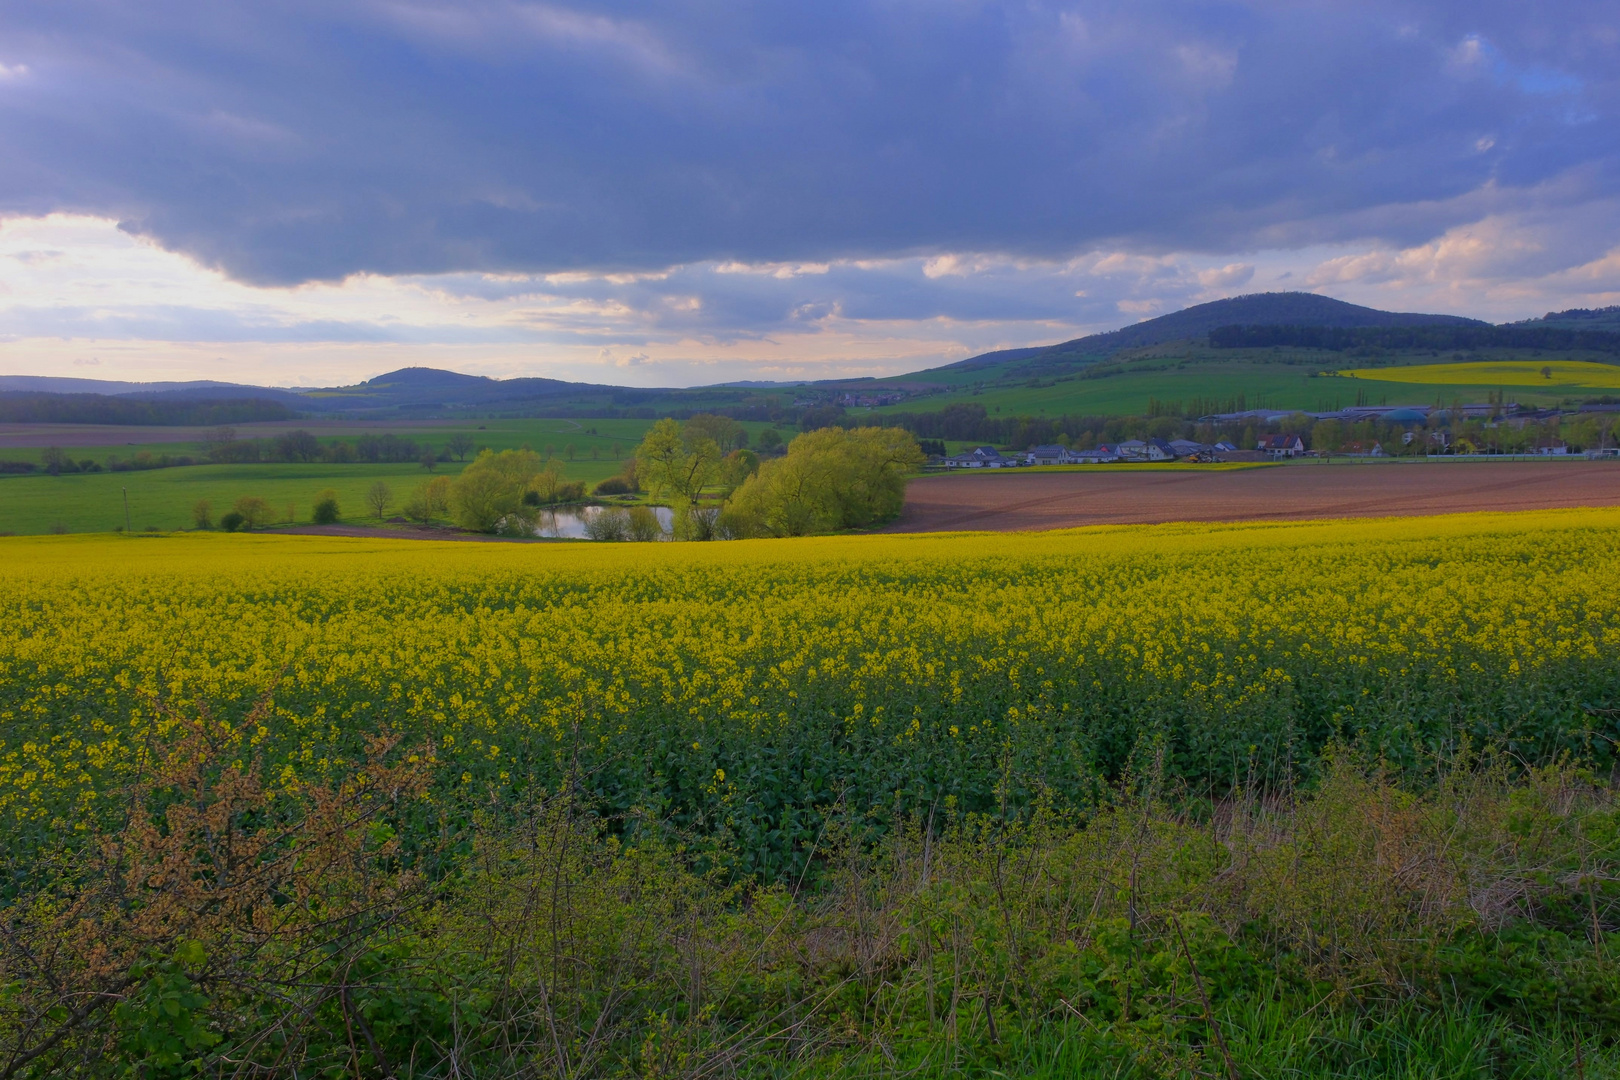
1257,309
1603,319
1531,335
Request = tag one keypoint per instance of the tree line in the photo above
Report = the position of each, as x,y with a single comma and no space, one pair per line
1341,338
30,407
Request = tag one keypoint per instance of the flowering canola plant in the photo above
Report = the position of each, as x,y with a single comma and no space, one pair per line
742,689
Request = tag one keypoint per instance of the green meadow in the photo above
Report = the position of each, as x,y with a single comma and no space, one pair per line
163,498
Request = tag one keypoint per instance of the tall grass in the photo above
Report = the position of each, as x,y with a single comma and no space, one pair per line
1461,927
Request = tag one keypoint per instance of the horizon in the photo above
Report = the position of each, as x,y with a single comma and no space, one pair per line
674,196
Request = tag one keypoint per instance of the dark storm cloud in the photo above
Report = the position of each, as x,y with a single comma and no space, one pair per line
295,141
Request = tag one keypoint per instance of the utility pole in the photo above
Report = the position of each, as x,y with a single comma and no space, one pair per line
126,509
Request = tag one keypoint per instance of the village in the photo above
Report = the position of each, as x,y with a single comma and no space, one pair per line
1417,429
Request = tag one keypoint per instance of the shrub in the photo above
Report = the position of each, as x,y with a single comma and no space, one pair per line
644,524
326,507
231,521
254,511
608,523
614,485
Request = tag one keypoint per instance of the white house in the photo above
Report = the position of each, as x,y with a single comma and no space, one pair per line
1103,453
1281,446
1050,455
981,457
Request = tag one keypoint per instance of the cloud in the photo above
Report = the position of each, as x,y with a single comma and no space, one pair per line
1226,277
284,143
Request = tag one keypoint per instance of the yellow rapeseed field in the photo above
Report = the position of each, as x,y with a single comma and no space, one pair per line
1526,373
742,688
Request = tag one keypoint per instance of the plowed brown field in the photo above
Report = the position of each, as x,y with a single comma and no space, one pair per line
1057,500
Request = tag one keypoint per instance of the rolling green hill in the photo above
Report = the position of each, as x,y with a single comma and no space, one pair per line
1258,309
1192,379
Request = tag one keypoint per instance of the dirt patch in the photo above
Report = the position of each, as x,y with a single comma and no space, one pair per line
1059,500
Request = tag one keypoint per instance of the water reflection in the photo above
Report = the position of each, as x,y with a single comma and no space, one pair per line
569,523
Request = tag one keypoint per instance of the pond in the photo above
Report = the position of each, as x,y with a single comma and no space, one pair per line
569,523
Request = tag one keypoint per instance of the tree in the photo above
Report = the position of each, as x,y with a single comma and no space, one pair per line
57,461
1546,371
832,478
489,492
429,500
569,450
737,467
770,440
253,511
379,496
202,514
297,445
726,432
460,444
676,464
326,507
428,458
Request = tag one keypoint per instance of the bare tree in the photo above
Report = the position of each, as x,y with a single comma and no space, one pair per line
379,497
460,445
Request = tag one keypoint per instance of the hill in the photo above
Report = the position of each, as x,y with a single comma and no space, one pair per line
51,384
1256,309
1604,319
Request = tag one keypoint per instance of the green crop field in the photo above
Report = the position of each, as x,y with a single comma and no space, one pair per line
163,498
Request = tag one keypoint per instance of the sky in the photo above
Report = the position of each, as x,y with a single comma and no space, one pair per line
675,193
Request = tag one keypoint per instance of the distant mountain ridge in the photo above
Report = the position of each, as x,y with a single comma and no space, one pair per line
1255,309
54,384
425,392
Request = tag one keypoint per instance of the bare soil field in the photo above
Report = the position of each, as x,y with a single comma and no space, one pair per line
1004,502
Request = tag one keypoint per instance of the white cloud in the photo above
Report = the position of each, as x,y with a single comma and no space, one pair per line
1226,277
73,287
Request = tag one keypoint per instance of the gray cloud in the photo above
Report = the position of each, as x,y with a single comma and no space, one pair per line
304,140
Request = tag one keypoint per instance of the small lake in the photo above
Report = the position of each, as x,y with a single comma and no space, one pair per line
569,522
